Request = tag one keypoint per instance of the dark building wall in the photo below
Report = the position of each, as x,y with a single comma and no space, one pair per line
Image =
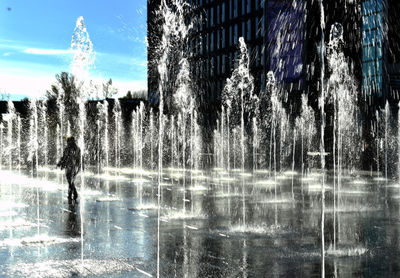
273,31
347,13
215,38
393,59
374,42
380,53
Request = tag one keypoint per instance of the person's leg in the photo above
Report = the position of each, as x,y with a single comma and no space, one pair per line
70,184
73,187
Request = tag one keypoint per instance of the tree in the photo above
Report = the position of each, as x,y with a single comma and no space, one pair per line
66,92
109,90
128,95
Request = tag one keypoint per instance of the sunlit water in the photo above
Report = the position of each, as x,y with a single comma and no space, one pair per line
281,236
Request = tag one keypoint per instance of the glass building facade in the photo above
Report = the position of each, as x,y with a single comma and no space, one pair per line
373,48
286,40
273,31
215,37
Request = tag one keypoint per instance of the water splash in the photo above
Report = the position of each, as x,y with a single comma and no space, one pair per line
82,47
33,144
10,120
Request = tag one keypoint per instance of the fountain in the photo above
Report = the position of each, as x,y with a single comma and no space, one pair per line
44,132
387,115
11,116
322,140
342,92
60,125
151,119
305,124
1,144
238,96
33,136
259,148
18,143
117,134
83,60
104,144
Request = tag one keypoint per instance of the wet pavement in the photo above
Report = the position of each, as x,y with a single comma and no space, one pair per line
221,225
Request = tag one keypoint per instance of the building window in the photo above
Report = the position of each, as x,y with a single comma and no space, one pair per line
218,14
257,56
218,65
230,36
207,43
223,38
235,8
248,29
223,13
212,66
235,35
243,7
218,39
201,46
262,26
223,63
248,6
212,42
230,9
212,17
263,55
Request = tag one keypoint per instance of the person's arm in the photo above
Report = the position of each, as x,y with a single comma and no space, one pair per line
62,159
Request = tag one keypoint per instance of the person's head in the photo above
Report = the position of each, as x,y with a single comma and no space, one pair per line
70,140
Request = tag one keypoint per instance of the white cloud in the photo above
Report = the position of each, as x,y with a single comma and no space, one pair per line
42,51
36,86
125,86
31,86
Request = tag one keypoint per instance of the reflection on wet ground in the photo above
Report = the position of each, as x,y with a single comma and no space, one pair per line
223,225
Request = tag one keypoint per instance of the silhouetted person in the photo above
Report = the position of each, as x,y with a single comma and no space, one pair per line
71,162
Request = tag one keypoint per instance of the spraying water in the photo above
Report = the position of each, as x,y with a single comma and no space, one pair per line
117,133
45,138
82,47
342,92
83,60
10,119
322,142
33,135
151,139
1,144
18,143
238,96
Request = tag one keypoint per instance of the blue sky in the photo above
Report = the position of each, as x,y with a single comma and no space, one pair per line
35,38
